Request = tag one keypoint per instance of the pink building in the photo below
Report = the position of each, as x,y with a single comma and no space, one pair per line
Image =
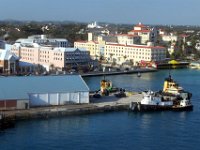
51,57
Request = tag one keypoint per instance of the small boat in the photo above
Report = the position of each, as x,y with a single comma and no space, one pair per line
139,74
105,87
152,101
172,90
194,65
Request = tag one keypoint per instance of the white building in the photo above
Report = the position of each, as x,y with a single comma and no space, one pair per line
128,39
44,40
94,25
9,62
42,91
146,33
169,38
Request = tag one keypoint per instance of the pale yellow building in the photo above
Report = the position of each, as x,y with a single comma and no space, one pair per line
93,47
120,53
128,39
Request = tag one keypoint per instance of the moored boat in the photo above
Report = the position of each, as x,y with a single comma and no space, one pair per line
173,97
172,90
183,106
139,74
194,65
152,101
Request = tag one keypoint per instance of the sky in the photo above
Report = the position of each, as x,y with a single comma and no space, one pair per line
165,12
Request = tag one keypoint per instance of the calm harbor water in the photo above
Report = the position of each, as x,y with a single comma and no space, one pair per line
116,130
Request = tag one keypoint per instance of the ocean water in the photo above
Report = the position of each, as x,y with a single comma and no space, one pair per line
116,130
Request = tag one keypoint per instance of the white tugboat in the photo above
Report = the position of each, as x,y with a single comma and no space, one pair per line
151,101
173,97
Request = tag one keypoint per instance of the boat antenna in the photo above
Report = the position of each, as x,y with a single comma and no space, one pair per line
170,70
104,73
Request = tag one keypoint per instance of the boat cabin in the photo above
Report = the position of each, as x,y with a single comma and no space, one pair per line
170,86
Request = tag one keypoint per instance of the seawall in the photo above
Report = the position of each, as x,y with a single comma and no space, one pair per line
104,104
141,70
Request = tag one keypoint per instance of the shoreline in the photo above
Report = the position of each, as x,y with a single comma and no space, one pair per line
139,70
104,104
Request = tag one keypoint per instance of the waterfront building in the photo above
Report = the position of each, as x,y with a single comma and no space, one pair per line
120,53
95,44
9,62
44,40
92,46
42,91
49,57
122,48
146,33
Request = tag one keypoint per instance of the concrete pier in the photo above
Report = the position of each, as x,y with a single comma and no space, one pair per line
103,104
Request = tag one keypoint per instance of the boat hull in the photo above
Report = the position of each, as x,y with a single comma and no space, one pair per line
138,107
183,108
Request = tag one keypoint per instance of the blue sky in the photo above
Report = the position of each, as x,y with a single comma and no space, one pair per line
181,12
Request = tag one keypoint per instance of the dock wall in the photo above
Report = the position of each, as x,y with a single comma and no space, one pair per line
50,112
143,70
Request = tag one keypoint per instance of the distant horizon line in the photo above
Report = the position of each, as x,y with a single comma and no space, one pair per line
87,22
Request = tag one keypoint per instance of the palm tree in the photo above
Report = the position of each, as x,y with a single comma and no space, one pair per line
124,58
52,66
111,55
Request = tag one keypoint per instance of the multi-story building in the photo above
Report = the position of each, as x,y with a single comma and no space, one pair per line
44,40
9,62
92,46
48,57
124,47
128,39
95,44
120,53
146,33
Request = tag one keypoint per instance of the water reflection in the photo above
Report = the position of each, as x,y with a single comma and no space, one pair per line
130,82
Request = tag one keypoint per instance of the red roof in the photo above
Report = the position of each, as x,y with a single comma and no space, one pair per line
140,31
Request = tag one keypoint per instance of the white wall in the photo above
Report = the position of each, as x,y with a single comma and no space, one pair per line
44,99
84,97
21,104
38,99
